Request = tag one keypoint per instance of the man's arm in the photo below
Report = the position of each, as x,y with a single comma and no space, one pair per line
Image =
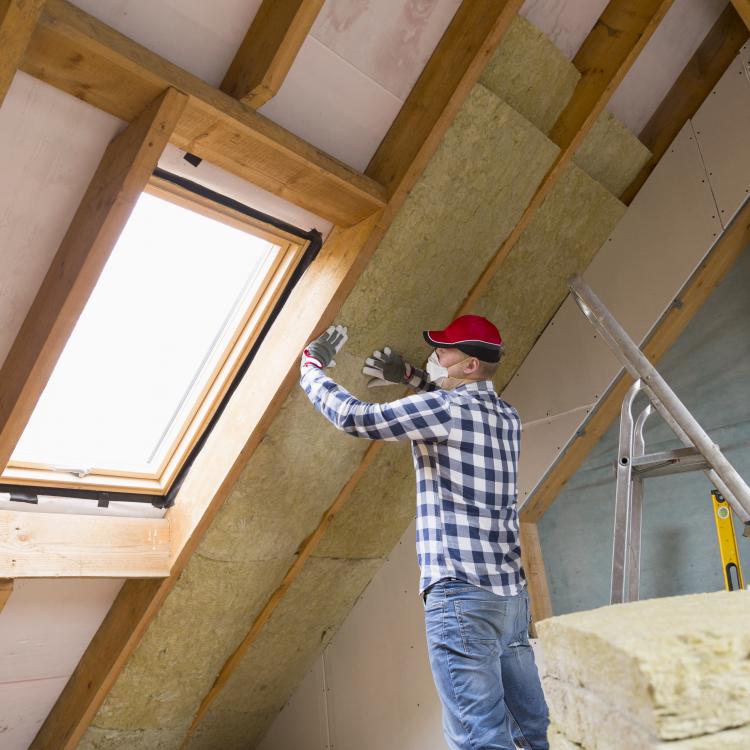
424,416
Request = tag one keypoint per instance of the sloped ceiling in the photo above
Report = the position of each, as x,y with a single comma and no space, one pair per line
430,255
468,200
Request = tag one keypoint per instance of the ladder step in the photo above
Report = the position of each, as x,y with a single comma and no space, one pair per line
669,462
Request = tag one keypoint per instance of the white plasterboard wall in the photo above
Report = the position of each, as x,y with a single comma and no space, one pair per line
45,627
378,686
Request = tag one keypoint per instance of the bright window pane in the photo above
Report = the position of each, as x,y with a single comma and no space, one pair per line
172,294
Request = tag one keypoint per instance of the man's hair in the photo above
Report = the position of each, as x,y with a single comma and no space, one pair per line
487,370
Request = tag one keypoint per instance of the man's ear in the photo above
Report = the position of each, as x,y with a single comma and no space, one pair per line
472,366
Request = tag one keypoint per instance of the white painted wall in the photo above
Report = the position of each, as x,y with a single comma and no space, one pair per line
374,677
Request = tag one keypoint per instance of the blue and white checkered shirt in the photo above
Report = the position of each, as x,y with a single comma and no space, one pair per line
465,444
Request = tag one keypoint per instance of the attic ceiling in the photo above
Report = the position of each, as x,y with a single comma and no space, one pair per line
473,191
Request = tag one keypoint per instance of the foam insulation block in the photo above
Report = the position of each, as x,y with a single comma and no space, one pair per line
611,154
659,673
303,624
567,231
530,73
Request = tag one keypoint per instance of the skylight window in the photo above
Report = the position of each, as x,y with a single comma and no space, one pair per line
173,314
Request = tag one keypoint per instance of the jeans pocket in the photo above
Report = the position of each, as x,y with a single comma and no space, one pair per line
480,623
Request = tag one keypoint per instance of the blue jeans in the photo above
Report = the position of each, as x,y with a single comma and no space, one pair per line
484,668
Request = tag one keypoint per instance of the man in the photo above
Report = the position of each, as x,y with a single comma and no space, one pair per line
465,443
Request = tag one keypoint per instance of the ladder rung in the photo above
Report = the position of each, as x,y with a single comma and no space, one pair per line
669,462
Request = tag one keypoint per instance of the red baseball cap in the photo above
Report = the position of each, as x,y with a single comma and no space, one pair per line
472,334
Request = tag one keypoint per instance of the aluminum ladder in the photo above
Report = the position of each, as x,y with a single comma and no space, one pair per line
634,464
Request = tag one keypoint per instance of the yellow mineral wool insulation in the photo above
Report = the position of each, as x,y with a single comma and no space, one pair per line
672,672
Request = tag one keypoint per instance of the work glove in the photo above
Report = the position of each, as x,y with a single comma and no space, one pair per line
321,351
386,368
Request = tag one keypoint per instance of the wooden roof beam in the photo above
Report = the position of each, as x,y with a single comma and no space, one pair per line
319,294
18,18
691,298
6,589
269,49
123,172
55,545
84,57
702,72
743,8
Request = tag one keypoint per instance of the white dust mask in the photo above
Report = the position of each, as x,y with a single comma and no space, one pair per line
439,374
435,371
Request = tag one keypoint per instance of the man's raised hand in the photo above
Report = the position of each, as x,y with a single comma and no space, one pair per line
321,351
386,368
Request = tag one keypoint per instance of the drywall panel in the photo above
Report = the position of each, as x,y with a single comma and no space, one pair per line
662,60
50,145
198,36
47,624
217,179
722,133
672,224
24,707
639,270
333,105
390,41
584,368
381,696
309,705
566,23
542,443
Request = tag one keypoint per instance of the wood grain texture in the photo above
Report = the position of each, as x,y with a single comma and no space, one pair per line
743,8
39,545
6,589
268,50
606,55
691,298
18,18
452,70
122,174
78,54
536,575
702,72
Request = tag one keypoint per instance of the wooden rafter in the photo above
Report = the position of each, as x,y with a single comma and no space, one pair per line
690,299
743,8
702,72
268,50
320,294
18,18
6,589
36,545
122,174
78,54
536,575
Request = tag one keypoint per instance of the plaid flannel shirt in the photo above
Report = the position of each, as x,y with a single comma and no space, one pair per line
465,445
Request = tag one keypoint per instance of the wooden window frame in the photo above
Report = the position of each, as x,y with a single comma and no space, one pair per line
234,353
